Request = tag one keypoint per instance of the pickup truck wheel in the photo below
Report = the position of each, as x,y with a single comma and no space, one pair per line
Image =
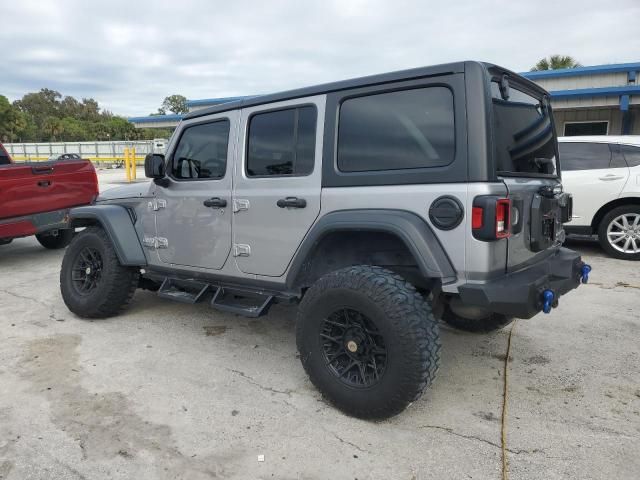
368,341
92,281
490,323
619,232
54,241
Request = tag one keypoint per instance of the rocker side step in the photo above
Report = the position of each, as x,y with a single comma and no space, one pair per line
248,304
185,291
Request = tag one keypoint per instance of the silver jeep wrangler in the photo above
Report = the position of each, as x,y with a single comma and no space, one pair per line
379,205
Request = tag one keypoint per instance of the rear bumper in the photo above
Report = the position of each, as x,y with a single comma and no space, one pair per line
32,224
519,294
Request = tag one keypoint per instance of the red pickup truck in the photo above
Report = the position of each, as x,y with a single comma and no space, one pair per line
35,198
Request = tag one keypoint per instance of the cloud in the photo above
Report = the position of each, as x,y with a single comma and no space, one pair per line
129,55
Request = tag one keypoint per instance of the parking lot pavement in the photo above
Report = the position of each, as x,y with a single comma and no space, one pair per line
168,390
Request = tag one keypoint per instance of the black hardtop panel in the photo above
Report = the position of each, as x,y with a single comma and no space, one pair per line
414,73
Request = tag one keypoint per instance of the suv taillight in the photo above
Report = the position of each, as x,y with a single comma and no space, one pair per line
491,218
503,218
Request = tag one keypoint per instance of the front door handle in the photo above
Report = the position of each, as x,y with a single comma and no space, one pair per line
215,202
608,178
44,183
292,202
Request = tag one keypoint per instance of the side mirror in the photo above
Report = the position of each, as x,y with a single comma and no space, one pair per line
154,166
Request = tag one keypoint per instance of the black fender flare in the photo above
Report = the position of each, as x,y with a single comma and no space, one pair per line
117,222
411,229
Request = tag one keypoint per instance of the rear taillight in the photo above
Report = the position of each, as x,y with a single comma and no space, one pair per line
477,218
491,218
503,218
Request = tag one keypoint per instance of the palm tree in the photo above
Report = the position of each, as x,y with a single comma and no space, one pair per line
555,62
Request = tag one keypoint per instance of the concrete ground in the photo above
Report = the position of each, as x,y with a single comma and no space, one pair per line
170,391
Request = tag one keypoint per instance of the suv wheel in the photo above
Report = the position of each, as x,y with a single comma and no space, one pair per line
368,341
490,323
53,241
619,232
92,281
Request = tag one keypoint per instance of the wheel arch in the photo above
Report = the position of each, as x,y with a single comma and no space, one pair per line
347,237
118,223
607,207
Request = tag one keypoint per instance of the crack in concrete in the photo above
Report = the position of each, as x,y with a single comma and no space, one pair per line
24,297
252,381
480,439
347,442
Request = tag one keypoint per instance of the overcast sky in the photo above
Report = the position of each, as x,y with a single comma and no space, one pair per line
130,54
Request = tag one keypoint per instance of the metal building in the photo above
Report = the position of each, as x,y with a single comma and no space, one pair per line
594,100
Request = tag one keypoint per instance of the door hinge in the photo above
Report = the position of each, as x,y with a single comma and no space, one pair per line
240,204
155,242
156,204
241,250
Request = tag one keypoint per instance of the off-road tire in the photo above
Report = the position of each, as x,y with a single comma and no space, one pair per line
602,231
117,283
54,242
402,317
491,323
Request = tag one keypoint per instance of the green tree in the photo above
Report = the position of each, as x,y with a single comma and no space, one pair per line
12,121
175,104
53,128
556,62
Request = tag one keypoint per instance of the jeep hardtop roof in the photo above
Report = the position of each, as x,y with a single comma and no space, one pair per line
378,79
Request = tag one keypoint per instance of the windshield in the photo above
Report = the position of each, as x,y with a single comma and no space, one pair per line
523,132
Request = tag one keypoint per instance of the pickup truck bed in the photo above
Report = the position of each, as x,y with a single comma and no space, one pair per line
35,197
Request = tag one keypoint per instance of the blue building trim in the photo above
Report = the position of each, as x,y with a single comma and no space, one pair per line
156,118
595,92
572,72
624,103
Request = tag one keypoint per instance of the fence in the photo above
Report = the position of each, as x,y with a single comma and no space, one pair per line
98,152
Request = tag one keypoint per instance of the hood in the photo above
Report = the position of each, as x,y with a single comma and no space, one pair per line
134,190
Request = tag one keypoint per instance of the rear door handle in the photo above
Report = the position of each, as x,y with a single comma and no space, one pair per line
215,202
44,183
608,178
292,202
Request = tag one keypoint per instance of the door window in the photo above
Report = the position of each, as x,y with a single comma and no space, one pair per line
584,156
202,152
397,130
282,142
631,155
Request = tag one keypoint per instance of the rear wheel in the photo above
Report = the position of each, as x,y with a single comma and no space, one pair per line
56,239
619,232
92,281
368,341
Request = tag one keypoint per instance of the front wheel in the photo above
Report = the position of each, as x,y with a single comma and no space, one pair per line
368,341
57,239
619,232
92,281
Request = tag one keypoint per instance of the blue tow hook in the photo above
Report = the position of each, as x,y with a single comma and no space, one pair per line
585,272
547,298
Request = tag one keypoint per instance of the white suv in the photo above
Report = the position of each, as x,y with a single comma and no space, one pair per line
603,174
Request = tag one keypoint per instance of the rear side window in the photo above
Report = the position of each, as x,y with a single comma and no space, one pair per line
631,155
584,156
282,142
397,130
202,152
523,132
